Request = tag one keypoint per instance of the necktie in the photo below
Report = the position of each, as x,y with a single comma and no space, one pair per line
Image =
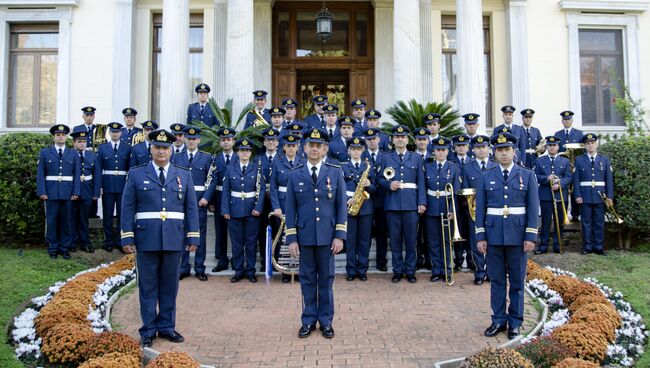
505,175
528,132
462,162
331,134
401,156
115,149
439,166
566,133
128,132
178,150
270,159
191,157
61,154
314,177
202,106
356,166
227,160
592,161
161,176
291,163
81,158
88,128
243,169
552,161
483,165
373,155
322,122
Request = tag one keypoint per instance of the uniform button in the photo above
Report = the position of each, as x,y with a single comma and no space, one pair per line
317,208
317,218
164,199
163,189
316,199
506,187
315,190
505,196
164,209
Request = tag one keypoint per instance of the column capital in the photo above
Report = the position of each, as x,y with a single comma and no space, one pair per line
383,3
508,3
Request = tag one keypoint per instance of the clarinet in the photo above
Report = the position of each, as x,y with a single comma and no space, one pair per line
258,180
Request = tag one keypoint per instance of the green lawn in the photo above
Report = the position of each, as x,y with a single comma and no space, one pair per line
27,274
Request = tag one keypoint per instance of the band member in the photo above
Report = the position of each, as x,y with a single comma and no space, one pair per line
223,160
532,137
291,111
201,110
277,119
471,174
357,245
129,130
316,228
553,174
372,121
438,173
89,192
338,144
58,184
330,115
260,102
113,159
177,129
379,227
141,152
317,119
242,201
359,114
88,115
160,220
280,177
201,165
471,124
514,129
462,250
507,208
271,143
569,135
593,174
402,177
423,256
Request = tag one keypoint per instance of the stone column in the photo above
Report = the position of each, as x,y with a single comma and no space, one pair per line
426,52
174,68
384,55
406,50
262,53
469,51
517,52
123,55
219,61
239,54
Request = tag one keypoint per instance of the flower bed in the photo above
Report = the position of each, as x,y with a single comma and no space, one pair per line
587,317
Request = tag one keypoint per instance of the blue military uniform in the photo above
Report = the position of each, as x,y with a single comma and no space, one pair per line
379,227
532,136
266,160
384,139
90,186
471,174
177,129
506,215
570,135
316,215
516,130
561,168
338,149
89,129
57,177
422,254
359,125
437,176
250,117
314,120
240,197
113,164
202,113
204,176
359,235
160,217
141,152
280,175
401,205
129,133
462,249
592,174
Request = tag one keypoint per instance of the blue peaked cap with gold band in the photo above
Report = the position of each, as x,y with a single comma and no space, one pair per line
161,138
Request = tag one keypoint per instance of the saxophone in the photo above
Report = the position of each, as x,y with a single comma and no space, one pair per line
360,195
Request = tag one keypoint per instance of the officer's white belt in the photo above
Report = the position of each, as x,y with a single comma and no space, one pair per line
199,188
282,189
219,188
530,150
113,172
243,194
88,178
408,186
349,194
438,193
592,183
503,211
163,215
58,178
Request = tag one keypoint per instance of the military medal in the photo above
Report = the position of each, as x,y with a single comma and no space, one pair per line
329,188
180,187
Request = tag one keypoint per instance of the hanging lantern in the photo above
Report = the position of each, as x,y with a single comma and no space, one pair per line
324,24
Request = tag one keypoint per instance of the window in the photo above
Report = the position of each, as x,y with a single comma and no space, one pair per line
32,75
449,62
601,71
195,60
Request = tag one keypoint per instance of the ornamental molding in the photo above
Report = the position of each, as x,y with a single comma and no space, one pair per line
38,3
638,6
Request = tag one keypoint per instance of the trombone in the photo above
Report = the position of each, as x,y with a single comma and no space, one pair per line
610,213
556,180
446,225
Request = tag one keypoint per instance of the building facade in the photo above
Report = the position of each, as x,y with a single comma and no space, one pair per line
60,55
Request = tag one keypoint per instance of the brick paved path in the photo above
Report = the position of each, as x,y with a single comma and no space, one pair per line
377,323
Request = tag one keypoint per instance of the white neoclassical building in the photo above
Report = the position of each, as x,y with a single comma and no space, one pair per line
549,55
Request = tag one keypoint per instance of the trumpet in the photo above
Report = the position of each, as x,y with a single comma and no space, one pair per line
447,237
389,173
470,195
610,213
558,229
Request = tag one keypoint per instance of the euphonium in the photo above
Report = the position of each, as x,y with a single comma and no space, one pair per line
138,138
259,119
610,211
99,136
285,263
360,195
470,195
541,147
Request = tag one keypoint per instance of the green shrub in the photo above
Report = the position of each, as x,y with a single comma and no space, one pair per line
410,114
22,219
630,158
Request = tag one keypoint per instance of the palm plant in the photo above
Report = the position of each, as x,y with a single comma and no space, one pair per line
410,114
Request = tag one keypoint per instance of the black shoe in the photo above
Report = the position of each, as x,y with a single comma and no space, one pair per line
397,278
363,278
419,265
328,331
147,341
478,282
236,278
427,265
494,329
584,252
556,251
540,252
286,279
201,276
53,256
382,268
252,279
88,249
184,275
350,278
172,336
600,252
65,255
219,268
411,278
306,330
107,248
435,278
72,249
513,333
